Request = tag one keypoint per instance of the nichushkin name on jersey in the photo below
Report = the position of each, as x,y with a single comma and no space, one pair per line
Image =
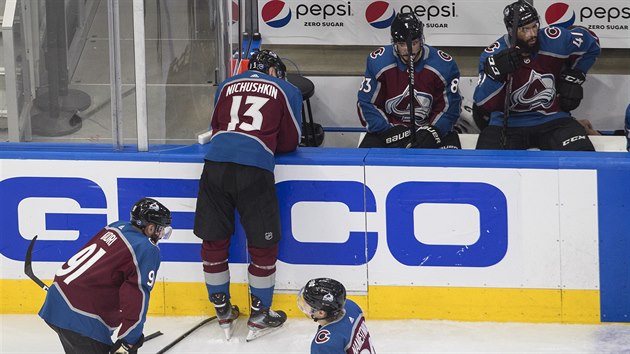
248,86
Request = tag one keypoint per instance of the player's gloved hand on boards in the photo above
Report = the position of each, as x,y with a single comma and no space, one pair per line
569,89
396,136
499,65
122,347
426,137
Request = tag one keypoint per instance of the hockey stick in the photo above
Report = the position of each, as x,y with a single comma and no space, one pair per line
412,91
180,338
153,335
28,267
508,88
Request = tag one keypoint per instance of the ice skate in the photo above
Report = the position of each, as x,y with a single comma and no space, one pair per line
263,321
227,314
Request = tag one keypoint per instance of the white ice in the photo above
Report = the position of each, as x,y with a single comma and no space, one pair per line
29,334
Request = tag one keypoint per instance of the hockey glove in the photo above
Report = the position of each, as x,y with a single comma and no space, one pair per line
570,92
122,347
427,137
396,136
499,65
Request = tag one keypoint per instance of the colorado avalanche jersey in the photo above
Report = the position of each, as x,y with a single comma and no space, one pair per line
383,98
533,98
106,284
255,115
347,335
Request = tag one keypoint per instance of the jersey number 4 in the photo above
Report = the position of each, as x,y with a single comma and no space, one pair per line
256,103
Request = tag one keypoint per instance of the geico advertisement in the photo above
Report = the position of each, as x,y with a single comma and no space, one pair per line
609,20
347,22
379,225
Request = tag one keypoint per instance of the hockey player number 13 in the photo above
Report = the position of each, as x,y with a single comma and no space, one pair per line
253,111
80,262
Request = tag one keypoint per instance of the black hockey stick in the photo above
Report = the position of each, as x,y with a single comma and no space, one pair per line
508,88
412,91
28,267
153,335
180,338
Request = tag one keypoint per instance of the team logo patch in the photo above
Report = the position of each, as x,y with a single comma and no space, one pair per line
322,336
552,32
380,14
276,13
559,14
444,55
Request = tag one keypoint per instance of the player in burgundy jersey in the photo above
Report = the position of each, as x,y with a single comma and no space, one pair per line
384,99
342,328
256,115
107,284
547,67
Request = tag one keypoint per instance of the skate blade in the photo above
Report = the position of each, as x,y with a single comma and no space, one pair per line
255,334
228,331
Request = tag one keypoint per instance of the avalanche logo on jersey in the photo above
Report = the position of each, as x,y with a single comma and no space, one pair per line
380,14
322,336
558,14
276,14
396,107
539,91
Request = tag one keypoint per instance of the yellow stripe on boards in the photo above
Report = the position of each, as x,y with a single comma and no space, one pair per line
382,302
21,296
484,304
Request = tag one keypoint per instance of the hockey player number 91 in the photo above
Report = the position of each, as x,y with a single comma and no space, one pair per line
80,262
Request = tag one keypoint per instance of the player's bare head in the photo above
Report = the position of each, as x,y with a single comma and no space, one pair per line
263,60
527,24
322,299
153,218
407,29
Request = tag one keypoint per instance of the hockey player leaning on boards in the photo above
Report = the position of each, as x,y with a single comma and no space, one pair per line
546,68
384,104
108,283
256,114
342,328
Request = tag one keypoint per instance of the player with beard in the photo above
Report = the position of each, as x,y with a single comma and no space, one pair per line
384,96
547,67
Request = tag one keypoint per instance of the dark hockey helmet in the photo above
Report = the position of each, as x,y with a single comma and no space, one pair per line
526,14
149,211
406,24
262,60
322,294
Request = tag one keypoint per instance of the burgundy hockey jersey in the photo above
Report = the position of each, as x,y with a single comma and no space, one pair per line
105,284
383,98
255,115
533,99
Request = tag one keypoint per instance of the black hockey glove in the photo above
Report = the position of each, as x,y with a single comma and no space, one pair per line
122,347
396,136
427,137
569,88
499,65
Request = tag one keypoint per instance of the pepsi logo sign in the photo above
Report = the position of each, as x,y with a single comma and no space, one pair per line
560,14
380,14
276,13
